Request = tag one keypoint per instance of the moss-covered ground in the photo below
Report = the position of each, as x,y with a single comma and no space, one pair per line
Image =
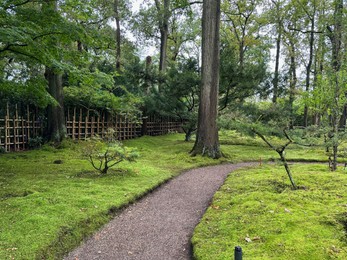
50,199
258,210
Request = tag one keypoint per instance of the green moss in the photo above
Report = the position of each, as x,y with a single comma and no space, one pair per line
282,223
47,208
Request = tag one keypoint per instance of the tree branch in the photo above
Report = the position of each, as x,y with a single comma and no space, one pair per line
23,53
11,6
264,139
303,31
188,4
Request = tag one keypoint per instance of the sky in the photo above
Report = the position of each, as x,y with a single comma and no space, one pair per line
147,50
154,50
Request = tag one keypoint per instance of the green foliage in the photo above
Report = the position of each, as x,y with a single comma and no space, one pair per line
271,118
179,95
104,154
238,83
35,142
30,92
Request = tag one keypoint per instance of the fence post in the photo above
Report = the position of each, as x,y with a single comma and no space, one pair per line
15,129
28,124
6,131
238,253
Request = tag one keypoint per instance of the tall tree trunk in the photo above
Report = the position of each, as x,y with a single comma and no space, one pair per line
308,68
335,36
118,34
207,142
144,128
293,81
277,64
343,117
164,33
164,16
56,129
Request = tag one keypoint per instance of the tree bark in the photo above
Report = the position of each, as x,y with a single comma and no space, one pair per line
56,129
118,34
164,16
309,66
335,36
293,81
277,64
207,142
279,25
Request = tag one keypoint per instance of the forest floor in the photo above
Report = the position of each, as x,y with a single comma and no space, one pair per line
47,209
161,224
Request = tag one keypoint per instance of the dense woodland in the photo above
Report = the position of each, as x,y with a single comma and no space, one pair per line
282,63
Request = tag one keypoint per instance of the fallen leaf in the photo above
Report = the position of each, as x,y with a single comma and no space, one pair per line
215,207
287,210
256,238
248,239
335,249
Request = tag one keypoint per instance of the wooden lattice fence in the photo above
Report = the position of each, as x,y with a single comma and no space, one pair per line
19,126
82,123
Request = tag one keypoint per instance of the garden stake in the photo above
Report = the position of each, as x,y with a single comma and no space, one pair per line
238,253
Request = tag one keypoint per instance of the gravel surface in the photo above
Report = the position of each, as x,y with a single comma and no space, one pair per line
160,225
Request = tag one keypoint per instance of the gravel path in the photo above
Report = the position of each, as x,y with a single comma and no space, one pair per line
159,226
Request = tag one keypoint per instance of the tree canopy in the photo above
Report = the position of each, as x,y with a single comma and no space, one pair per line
138,57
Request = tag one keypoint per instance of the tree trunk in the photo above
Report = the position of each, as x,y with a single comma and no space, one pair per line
56,129
286,167
293,81
335,36
308,69
118,35
164,16
343,117
207,142
276,76
164,33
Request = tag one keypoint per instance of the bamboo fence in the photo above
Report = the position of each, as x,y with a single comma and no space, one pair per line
18,128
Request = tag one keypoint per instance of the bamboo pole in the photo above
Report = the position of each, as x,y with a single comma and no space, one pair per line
23,132
98,125
103,126
6,129
28,123
79,124
15,134
73,130
92,126
85,128
121,125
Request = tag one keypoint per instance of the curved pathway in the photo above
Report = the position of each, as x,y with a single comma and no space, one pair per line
160,225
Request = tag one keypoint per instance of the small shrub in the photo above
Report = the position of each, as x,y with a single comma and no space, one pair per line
35,142
2,150
104,154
